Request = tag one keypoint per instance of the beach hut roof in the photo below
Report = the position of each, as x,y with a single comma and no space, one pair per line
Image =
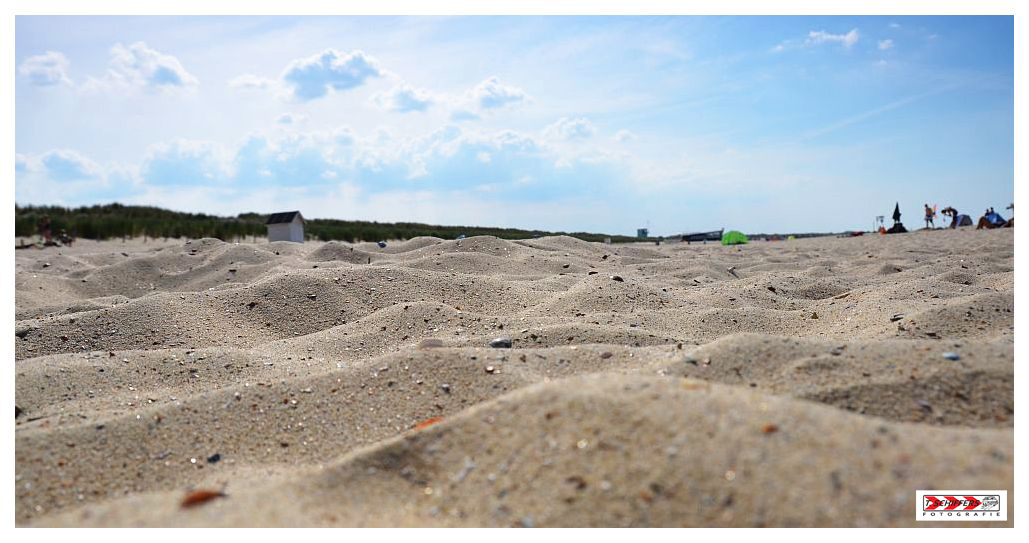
284,217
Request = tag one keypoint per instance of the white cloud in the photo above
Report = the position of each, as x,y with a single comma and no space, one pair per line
66,176
130,68
625,135
21,163
821,36
313,77
61,165
343,136
186,162
48,69
67,165
817,37
885,44
403,99
291,118
460,115
252,82
488,96
567,129
492,94
138,67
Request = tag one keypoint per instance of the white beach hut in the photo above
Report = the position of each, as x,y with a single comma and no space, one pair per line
286,226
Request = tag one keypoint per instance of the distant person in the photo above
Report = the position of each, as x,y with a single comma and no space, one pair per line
990,219
44,228
930,214
65,238
952,213
957,218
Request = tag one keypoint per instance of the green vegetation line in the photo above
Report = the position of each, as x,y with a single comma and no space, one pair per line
109,221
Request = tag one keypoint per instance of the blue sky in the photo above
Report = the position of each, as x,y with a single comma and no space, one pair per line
763,124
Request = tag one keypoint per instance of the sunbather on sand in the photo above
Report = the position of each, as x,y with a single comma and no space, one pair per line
990,219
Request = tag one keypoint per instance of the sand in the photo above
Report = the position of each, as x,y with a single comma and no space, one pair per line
799,383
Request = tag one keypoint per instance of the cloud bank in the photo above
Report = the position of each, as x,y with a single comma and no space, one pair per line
501,162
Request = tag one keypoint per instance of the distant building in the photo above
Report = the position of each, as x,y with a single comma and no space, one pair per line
286,226
642,232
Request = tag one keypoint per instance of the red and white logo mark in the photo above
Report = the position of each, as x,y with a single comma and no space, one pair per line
962,505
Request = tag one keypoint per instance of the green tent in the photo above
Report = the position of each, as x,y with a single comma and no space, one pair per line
733,237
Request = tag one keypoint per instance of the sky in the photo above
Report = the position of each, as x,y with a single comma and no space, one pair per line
599,124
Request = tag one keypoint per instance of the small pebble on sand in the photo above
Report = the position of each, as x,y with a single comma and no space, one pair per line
501,343
430,343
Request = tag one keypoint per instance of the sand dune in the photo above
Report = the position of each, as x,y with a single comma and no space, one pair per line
329,384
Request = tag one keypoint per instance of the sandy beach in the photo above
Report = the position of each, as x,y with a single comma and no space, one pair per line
811,382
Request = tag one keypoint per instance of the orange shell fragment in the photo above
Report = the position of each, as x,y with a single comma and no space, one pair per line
427,422
199,497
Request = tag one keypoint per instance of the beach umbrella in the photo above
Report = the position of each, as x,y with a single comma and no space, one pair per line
733,237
